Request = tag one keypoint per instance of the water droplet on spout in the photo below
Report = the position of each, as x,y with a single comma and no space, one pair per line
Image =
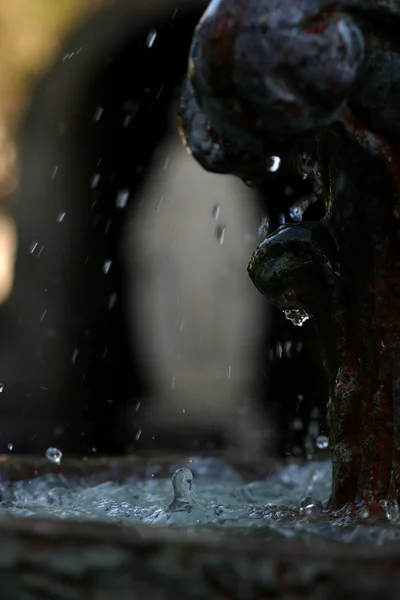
297,316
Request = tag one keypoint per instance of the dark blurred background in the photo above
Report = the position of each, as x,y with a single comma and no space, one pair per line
132,324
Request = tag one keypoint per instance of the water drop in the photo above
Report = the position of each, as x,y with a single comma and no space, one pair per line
112,301
151,38
215,212
1,387
273,164
297,316
322,442
74,355
137,405
122,198
97,113
282,219
61,217
307,507
220,233
138,434
95,180
54,172
54,455
160,203
10,446
182,324
106,266
297,425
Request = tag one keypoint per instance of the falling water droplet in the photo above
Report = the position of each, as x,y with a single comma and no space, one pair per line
273,164
138,434
61,217
112,301
10,446
160,203
54,455
54,172
151,38
297,316
322,442
122,198
74,355
97,113
95,181
215,212
220,233
1,387
107,266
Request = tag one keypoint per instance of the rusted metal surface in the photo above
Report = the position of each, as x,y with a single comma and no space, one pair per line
316,84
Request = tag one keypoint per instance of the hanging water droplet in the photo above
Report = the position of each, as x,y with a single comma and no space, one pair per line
151,38
107,266
61,217
54,455
10,446
322,442
215,212
122,198
297,316
220,233
273,164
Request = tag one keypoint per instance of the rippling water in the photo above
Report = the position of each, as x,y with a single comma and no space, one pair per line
288,504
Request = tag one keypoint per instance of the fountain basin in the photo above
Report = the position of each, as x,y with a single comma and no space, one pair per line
50,558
